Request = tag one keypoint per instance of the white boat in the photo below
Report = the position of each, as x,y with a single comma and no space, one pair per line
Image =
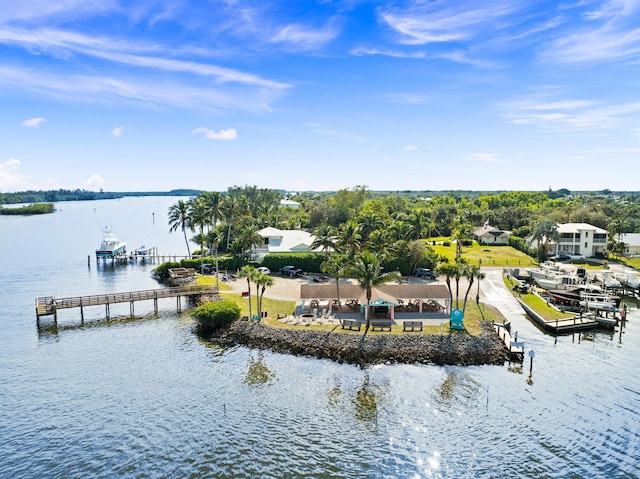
606,279
628,279
144,250
111,246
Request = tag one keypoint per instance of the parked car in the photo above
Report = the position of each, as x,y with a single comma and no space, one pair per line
290,271
424,273
264,270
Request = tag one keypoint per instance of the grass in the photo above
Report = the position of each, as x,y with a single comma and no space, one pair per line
539,305
486,255
474,314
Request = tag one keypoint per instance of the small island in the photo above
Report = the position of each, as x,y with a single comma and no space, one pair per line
34,209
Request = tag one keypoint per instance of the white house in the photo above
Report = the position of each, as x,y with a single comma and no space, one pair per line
632,242
282,241
488,235
286,203
580,239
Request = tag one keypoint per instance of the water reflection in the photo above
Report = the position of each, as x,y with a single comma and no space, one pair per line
366,401
258,374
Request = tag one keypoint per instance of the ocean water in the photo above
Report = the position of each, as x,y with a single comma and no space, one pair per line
144,397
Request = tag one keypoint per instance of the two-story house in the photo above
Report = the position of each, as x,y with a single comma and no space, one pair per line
580,239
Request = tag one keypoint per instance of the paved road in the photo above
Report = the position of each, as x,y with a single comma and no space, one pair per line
495,293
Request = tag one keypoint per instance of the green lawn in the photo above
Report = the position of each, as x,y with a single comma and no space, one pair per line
538,304
486,255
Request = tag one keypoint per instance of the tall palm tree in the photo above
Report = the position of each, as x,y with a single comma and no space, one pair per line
264,281
214,237
336,266
366,269
248,272
179,219
448,270
462,233
213,201
471,273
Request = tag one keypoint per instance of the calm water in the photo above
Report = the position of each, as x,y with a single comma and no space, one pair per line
145,397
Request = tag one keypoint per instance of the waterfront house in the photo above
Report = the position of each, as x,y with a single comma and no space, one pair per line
275,240
579,239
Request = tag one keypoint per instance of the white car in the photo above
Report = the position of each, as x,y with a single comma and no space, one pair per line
264,270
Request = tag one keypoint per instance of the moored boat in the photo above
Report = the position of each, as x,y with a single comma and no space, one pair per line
111,246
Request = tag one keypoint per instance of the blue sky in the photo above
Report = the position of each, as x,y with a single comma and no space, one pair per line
319,95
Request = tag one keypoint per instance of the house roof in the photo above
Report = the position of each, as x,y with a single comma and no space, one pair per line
388,292
288,240
577,227
491,231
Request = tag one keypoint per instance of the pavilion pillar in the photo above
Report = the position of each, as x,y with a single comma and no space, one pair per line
420,306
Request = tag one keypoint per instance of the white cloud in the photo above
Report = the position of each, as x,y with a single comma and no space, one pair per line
95,182
411,147
33,122
303,38
442,21
228,134
10,177
484,157
579,116
117,131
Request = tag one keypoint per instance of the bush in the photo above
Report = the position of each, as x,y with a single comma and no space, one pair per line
161,272
307,262
216,315
225,263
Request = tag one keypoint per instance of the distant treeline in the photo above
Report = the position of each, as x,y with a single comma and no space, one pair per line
35,209
81,195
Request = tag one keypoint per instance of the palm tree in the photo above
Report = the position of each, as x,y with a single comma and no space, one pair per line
179,219
349,238
460,235
335,265
214,237
366,269
264,281
199,217
471,273
448,270
545,232
248,272
213,204
369,222
325,238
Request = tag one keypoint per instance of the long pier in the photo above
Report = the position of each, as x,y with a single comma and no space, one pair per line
49,306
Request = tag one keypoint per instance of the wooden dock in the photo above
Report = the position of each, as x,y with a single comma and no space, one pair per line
567,325
515,348
49,306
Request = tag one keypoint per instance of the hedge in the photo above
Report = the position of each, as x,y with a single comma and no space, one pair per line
215,315
307,262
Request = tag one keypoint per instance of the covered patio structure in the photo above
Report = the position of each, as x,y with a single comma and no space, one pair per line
389,301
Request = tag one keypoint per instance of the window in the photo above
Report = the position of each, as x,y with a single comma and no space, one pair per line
586,245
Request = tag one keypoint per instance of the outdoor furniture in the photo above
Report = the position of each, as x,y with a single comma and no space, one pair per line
381,323
255,318
350,324
412,326
314,303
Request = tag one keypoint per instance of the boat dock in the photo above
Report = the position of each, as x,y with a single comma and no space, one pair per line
515,348
579,322
49,306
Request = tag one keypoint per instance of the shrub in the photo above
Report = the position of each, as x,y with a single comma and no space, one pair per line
307,262
161,272
215,315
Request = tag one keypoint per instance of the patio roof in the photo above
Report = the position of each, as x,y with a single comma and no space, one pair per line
389,292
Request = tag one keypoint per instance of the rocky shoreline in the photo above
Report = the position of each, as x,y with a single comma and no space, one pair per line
450,349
